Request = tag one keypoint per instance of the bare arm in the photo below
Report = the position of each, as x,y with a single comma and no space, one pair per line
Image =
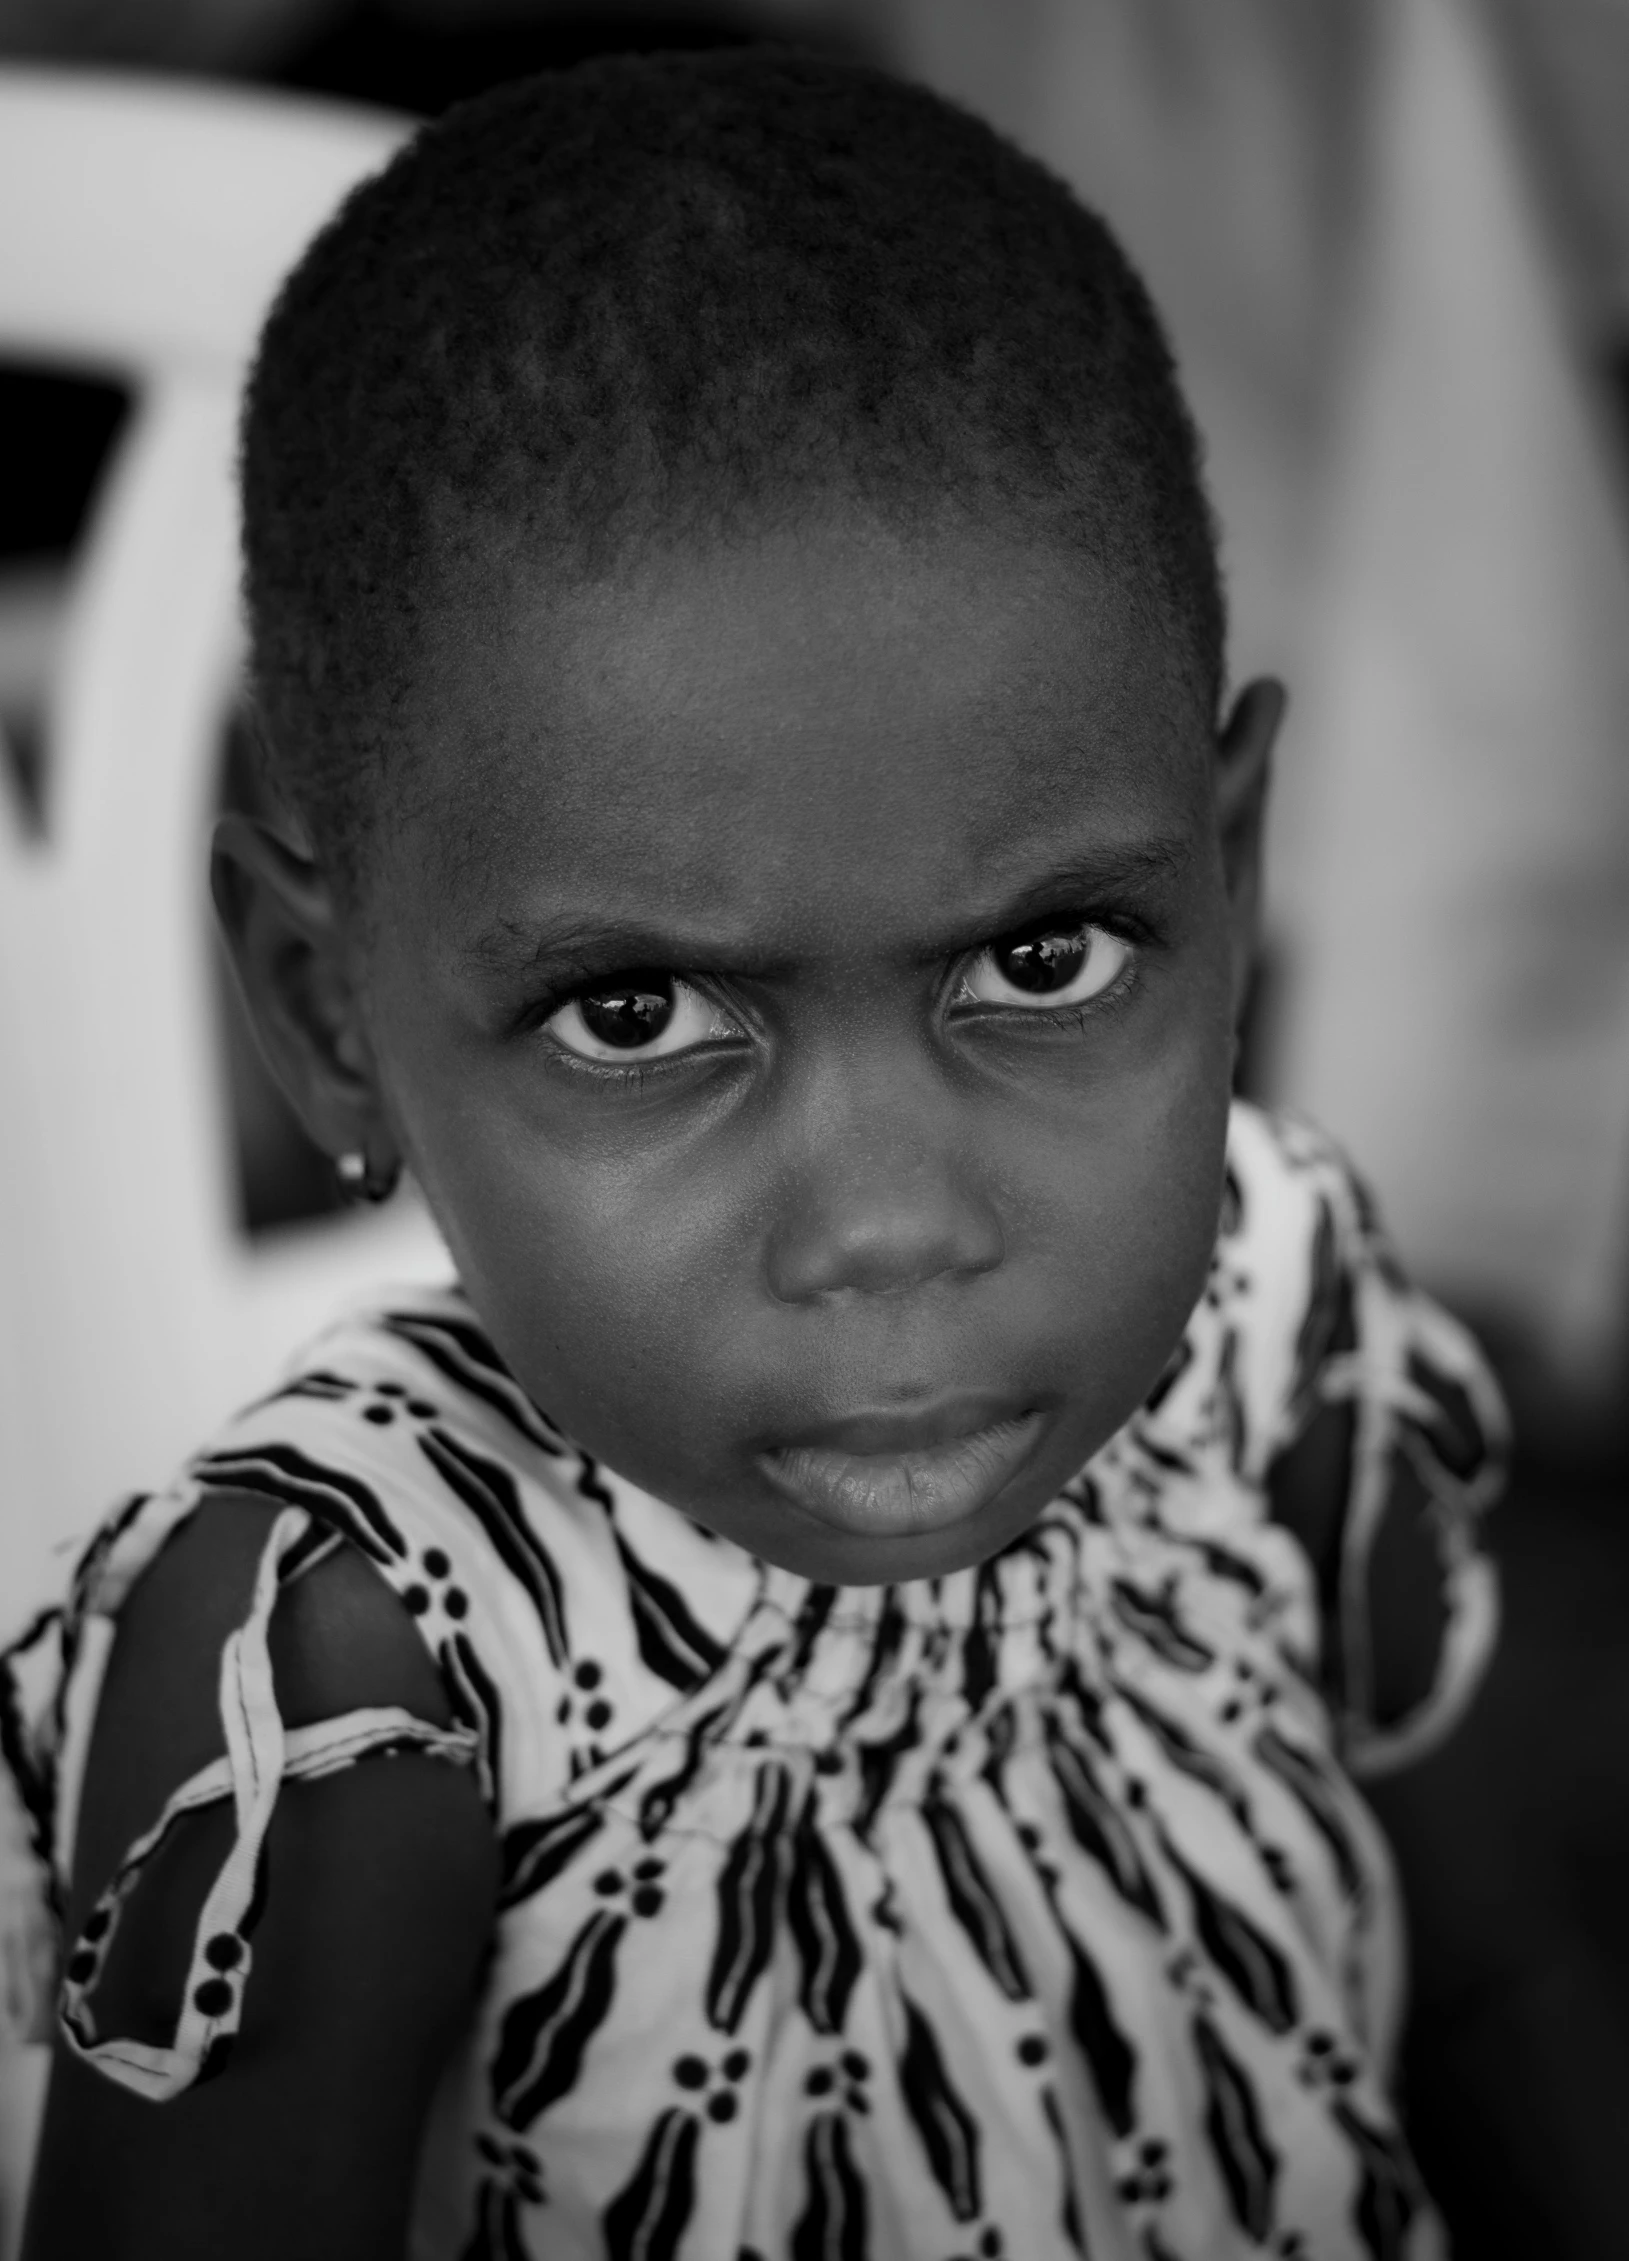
381,1883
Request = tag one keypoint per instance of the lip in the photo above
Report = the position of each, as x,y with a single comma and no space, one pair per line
923,1472
945,1421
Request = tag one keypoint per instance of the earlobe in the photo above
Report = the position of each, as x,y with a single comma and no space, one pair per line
285,936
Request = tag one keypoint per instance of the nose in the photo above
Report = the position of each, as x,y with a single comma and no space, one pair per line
878,1196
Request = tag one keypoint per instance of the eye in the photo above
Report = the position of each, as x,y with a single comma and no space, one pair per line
1066,965
645,1016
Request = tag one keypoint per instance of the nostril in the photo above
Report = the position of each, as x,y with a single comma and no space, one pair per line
881,1246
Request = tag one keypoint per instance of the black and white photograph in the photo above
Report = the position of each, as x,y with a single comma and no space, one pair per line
814,1130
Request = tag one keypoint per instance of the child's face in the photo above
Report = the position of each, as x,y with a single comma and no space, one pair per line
804,989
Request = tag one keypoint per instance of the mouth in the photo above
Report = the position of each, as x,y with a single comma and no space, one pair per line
893,1475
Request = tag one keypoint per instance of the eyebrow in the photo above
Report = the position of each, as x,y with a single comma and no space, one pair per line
513,947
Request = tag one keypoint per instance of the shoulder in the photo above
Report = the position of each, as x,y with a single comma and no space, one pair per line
339,1640
1291,1196
1335,1299
402,1430
1271,1304
1314,1294
393,1563
1383,1437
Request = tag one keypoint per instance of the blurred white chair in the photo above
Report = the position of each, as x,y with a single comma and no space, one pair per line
145,227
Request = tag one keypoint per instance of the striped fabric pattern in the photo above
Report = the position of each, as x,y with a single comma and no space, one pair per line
1027,1914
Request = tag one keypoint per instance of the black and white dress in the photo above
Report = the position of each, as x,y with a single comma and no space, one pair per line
1025,1912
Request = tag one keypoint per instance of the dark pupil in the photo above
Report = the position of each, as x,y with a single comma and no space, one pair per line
629,1016
1044,962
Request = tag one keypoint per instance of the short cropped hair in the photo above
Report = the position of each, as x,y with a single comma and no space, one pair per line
665,296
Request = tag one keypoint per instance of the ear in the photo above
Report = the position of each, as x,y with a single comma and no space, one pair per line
289,948
1244,754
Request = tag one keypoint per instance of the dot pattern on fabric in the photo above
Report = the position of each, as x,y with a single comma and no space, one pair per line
972,1907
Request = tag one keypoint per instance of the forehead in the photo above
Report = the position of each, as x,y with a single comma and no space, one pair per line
785,735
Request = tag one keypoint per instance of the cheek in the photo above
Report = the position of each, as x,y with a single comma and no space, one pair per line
1172,1198
1121,1243
605,1286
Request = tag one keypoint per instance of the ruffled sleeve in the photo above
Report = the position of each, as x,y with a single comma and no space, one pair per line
1404,1421
260,1756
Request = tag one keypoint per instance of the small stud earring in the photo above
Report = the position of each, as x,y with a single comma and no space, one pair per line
359,1181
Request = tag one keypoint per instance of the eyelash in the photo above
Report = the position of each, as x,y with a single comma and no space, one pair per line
637,1073
1076,1016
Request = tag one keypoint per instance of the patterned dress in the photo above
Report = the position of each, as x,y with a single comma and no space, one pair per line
1026,1912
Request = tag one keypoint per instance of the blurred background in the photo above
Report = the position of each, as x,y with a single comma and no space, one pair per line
1391,238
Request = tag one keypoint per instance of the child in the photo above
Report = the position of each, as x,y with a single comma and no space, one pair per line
871,1578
